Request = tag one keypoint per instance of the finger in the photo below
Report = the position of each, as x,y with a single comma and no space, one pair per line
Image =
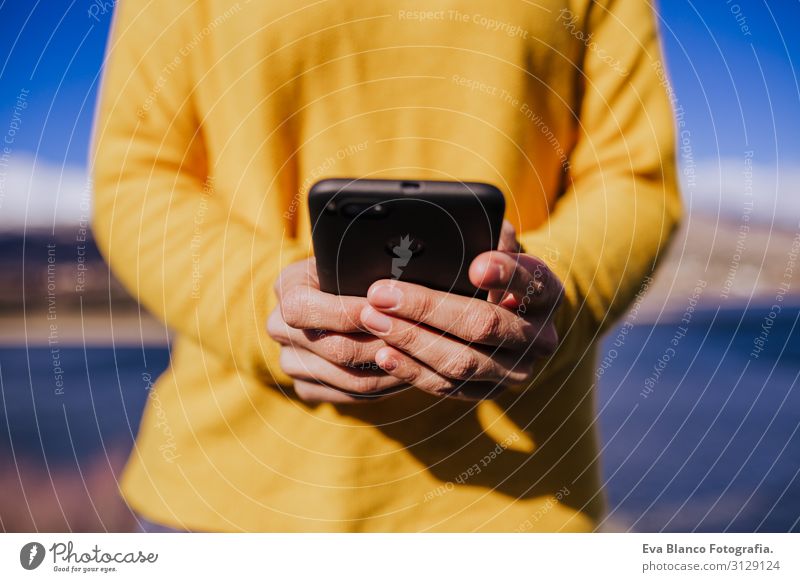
313,393
412,372
446,356
305,307
528,278
468,318
299,273
344,349
303,365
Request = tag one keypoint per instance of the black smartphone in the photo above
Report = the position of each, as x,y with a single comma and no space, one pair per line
419,231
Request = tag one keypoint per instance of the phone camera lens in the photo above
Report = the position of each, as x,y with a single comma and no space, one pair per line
363,210
353,209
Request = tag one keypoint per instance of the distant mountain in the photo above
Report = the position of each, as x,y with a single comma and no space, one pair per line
41,269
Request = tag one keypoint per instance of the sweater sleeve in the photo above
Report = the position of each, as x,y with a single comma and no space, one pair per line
203,268
621,202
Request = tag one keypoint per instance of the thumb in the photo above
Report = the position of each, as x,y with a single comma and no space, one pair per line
508,243
508,238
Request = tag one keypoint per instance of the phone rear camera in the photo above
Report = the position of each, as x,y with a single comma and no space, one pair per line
363,210
353,209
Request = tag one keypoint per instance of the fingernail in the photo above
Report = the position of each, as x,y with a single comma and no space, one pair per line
385,296
376,321
388,364
494,272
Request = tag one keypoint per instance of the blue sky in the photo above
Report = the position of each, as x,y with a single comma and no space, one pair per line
738,91
732,85
53,49
729,84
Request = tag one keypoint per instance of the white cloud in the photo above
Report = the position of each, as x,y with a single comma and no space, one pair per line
38,194
725,186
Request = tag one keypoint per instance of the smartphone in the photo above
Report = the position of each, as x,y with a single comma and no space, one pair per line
419,231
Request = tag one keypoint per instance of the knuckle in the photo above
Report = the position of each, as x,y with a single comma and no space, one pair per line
350,318
441,386
462,366
427,380
406,338
293,307
421,305
410,372
484,325
342,351
367,384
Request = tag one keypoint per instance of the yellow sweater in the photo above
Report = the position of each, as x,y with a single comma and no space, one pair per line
215,118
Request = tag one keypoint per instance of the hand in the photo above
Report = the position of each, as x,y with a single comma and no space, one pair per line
324,350
447,344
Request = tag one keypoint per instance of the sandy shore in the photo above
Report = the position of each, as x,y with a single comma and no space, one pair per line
93,329
734,265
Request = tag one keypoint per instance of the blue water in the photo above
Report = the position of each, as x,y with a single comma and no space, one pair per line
714,446
99,407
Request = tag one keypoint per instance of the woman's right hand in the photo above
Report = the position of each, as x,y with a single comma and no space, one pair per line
323,348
